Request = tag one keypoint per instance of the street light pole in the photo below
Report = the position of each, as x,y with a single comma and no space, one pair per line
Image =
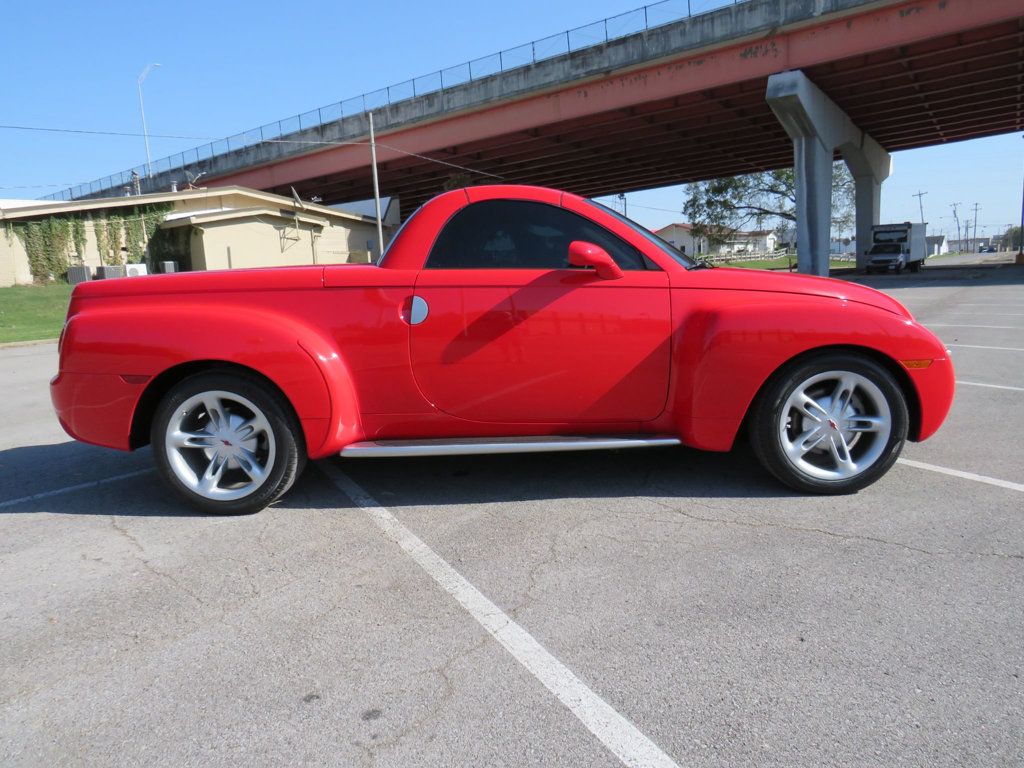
142,109
376,187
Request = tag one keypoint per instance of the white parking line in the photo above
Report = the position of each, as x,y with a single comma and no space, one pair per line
983,314
612,729
965,475
71,488
991,386
980,346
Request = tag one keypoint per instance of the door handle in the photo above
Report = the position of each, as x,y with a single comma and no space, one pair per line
415,310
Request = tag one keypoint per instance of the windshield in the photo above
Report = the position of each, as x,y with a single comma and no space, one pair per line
667,248
885,249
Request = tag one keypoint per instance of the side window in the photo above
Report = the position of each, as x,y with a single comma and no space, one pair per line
518,234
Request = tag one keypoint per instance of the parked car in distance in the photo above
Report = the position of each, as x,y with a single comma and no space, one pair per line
500,319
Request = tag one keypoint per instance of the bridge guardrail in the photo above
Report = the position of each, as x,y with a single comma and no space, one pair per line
597,33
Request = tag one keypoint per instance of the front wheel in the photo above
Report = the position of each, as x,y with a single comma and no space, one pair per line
227,443
830,424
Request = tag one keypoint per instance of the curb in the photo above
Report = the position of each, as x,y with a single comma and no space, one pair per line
32,343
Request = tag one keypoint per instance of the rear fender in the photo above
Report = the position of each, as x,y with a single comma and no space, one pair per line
137,344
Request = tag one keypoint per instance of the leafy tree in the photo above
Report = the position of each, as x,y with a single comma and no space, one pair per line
720,207
1012,238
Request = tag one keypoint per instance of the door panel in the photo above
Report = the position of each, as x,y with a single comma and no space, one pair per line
543,345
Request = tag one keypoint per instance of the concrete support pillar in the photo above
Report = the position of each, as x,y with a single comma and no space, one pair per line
869,202
813,171
818,127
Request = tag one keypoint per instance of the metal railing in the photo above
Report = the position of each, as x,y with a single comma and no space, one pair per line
588,36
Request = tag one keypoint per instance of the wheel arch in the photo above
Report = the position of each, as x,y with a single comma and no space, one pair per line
298,359
158,387
899,373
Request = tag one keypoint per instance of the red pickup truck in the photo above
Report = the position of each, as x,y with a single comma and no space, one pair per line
500,319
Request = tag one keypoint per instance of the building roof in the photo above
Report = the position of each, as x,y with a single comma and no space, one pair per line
681,225
724,231
26,209
935,239
6,205
185,218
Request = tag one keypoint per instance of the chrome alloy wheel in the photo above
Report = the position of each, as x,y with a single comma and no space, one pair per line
220,445
835,425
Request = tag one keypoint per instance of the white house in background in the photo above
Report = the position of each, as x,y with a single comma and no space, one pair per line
759,241
743,243
937,245
681,236
736,243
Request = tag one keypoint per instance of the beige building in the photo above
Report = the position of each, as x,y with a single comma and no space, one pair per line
199,229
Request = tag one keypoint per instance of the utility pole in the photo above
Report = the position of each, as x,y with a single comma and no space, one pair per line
956,218
1020,246
625,210
920,202
142,109
376,187
976,207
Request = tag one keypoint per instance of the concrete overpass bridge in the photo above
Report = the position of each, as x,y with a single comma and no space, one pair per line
755,85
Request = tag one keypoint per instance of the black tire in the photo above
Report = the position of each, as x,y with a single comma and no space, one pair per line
879,397
244,400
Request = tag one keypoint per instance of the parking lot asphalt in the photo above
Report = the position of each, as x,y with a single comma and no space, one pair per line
656,607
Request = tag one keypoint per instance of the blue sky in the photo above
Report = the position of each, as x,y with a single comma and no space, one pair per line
227,67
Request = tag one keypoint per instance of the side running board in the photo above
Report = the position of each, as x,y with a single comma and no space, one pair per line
482,445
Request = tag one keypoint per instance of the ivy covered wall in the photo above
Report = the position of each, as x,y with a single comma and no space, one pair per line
53,243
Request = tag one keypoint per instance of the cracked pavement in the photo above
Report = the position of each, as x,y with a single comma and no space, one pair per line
733,622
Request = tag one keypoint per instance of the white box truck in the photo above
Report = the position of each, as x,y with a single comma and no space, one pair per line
897,247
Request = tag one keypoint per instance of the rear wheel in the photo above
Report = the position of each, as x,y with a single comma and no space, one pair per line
830,424
227,443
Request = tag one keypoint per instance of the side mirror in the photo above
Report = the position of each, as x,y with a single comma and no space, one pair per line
583,254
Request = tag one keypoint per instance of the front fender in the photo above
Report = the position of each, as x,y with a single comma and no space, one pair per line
724,353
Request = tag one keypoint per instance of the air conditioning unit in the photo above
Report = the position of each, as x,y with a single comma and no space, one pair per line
79,273
137,270
105,272
168,266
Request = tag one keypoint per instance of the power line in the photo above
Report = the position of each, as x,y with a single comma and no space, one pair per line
131,134
43,129
648,207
